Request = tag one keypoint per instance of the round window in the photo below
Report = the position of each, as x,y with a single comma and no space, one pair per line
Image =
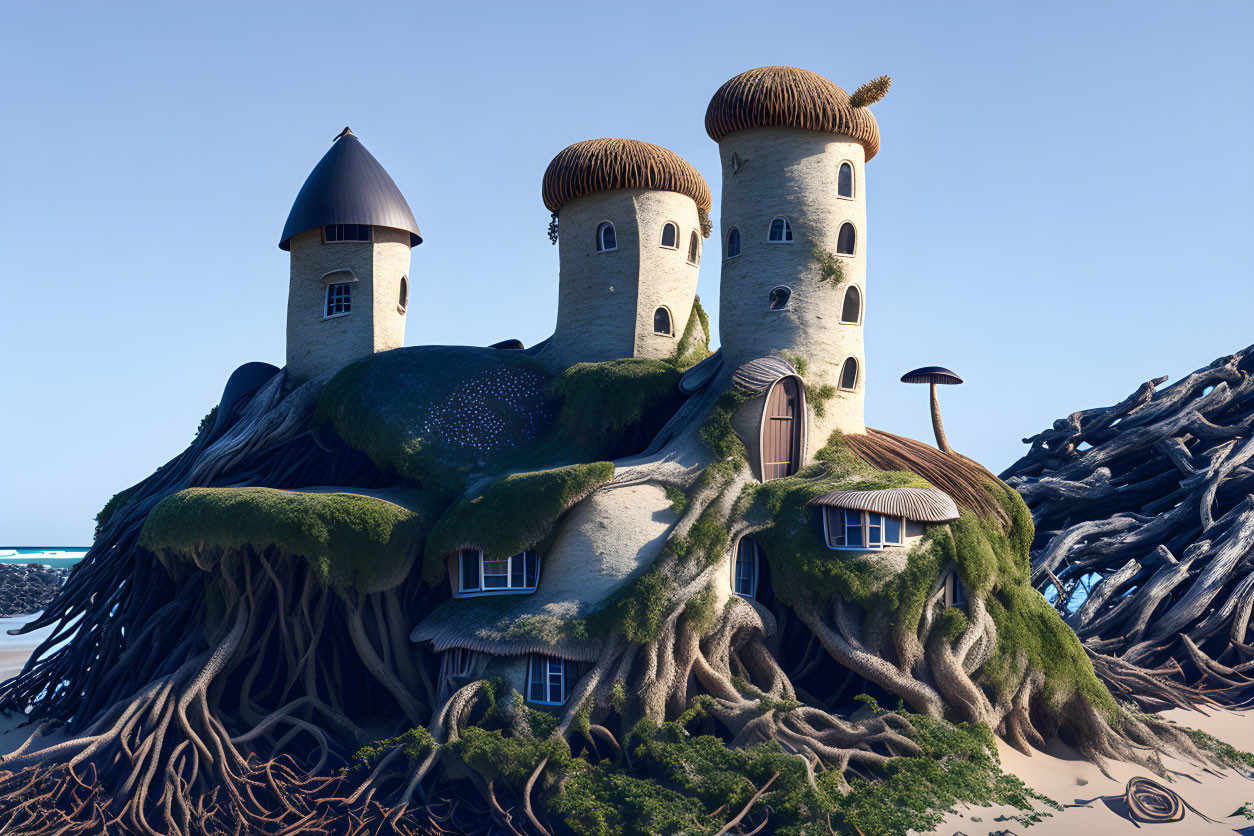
779,297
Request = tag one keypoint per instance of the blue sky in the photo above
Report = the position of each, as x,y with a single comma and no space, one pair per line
1061,208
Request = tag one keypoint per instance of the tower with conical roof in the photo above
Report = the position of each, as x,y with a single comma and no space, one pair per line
629,247
793,221
349,232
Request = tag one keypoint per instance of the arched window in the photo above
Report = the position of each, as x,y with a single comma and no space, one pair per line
606,240
670,236
694,248
404,300
844,180
849,375
846,239
733,243
779,297
745,572
851,311
781,230
662,322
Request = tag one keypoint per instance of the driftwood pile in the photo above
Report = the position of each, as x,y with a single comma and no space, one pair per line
1145,534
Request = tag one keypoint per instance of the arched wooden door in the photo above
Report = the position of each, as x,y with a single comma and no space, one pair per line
781,430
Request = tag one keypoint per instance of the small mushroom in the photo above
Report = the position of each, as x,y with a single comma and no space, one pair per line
934,375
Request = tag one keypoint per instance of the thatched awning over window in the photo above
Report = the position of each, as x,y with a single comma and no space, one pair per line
789,97
920,504
599,165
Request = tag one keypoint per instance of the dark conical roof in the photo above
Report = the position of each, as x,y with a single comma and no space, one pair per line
348,186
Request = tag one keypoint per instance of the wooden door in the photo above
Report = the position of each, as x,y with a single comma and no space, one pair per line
781,430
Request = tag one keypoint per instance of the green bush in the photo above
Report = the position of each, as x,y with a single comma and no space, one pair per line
602,399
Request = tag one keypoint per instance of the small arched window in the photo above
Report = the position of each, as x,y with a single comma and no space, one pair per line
745,572
849,375
662,322
606,240
781,230
851,311
670,236
779,297
846,239
694,248
844,180
733,243
403,302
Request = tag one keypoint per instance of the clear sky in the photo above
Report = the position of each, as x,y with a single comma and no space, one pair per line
1062,207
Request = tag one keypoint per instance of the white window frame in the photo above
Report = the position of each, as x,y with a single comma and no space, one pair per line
865,523
663,243
740,243
853,180
368,240
508,589
694,248
787,239
857,374
601,227
854,227
754,568
549,667
861,305
347,301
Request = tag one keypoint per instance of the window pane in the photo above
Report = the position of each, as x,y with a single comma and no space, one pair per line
669,234
787,230
777,230
853,528
470,569
733,243
517,580
532,571
844,186
537,691
892,529
874,529
835,527
852,308
610,241
849,374
662,321
845,240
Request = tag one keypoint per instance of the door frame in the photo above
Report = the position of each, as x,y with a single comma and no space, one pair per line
801,417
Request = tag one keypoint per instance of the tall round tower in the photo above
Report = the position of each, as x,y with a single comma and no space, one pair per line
629,246
349,232
793,147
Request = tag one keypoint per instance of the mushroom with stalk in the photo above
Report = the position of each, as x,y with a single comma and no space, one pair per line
934,375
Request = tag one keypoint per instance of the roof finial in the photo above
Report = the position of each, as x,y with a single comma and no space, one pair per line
346,132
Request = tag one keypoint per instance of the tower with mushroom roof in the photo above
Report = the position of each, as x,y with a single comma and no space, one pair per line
793,147
349,232
629,244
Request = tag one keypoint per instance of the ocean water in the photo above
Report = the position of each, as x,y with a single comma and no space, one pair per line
48,557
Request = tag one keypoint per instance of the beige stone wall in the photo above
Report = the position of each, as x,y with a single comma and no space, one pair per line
316,343
792,172
606,300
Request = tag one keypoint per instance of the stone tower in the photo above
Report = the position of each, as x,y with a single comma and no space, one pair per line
349,232
793,147
629,248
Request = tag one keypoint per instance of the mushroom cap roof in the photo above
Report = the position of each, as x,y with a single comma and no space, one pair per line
348,186
771,97
598,165
931,374
921,504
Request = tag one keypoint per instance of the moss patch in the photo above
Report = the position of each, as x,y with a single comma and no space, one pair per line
636,609
115,503
694,345
512,513
600,400
350,540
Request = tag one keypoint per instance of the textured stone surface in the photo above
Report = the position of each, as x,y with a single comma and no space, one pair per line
315,343
792,172
606,300
28,588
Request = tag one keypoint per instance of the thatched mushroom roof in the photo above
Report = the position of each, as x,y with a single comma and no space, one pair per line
789,97
598,165
921,504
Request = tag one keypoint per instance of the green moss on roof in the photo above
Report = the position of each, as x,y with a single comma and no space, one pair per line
438,413
511,513
600,400
350,540
694,345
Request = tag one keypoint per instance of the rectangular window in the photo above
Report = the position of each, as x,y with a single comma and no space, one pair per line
480,574
874,530
549,679
339,233
853,529
892,530
339,299
470,570
835,525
